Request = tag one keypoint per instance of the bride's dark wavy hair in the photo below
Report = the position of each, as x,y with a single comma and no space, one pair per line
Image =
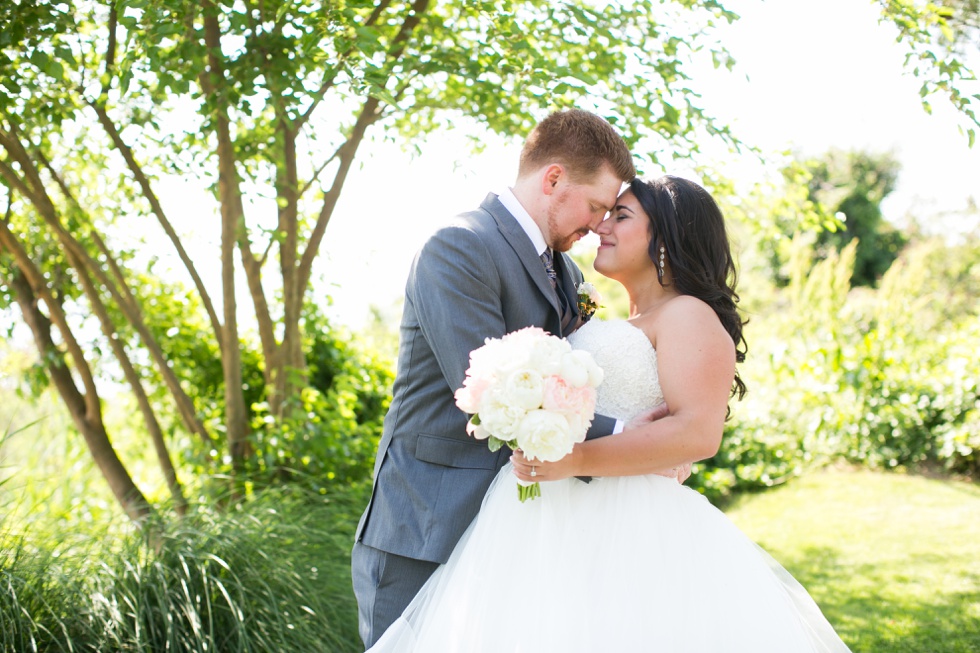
687,222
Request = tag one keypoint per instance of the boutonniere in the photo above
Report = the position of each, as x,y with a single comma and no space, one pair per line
588,300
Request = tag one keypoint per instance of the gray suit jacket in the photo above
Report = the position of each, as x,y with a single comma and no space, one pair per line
476,278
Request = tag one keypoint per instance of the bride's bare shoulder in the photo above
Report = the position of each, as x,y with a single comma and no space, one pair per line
683,313
685,307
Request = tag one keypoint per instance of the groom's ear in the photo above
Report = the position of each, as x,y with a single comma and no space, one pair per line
552,175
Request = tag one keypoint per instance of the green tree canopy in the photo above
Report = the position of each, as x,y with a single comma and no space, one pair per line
943,42
852,185
272,98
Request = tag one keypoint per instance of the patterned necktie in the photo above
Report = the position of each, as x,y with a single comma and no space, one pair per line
565,313
549,267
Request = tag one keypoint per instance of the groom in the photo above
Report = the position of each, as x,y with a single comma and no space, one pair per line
485,274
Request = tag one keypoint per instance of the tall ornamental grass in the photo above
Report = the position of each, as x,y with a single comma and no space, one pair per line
269,575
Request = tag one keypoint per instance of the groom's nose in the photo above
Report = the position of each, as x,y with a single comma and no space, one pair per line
599,226
597,222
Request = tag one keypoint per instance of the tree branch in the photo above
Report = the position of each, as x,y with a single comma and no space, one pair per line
316,175
39,289
397,48
232,209
135,383
125,299
16,182
155,206
31,184
329,80
369,113
80,406
232,231
110,51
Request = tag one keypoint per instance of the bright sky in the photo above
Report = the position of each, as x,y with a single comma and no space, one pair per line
821,74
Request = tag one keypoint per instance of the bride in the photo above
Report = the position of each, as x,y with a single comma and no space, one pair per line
631,561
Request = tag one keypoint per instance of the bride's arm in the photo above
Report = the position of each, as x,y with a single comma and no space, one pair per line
696,365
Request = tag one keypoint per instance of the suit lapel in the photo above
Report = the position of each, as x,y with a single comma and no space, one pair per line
521,244
563,266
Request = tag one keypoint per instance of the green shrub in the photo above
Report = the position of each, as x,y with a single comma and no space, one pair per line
884,378
333,434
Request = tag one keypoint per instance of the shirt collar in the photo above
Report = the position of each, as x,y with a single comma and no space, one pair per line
530,227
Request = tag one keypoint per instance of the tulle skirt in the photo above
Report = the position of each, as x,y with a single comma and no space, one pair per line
619,564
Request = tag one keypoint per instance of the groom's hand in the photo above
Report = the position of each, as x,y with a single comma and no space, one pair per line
651,415
681,472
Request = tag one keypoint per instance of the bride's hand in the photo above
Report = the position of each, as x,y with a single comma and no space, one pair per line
532,470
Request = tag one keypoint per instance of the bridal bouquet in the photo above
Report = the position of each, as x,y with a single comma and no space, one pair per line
531,391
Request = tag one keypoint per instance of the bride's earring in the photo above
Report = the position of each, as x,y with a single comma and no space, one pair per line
661,264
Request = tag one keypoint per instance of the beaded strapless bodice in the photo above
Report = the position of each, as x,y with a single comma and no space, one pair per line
631,384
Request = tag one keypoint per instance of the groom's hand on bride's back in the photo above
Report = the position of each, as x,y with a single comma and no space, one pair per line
646,417
681,472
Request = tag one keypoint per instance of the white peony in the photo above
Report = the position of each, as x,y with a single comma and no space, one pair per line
545,435
578,368
486,360
522,389
546,357
478,431
498,416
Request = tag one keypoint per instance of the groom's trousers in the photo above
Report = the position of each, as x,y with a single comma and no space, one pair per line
384,584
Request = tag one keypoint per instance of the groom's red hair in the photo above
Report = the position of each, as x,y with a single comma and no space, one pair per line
580,141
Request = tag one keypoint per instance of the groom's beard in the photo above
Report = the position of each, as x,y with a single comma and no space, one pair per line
562,242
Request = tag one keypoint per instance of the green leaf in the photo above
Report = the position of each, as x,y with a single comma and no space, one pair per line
11,85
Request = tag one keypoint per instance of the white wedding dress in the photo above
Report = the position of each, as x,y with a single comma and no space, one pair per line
624,564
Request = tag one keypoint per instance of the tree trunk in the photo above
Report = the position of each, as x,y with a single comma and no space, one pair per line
133,378
232,232
33,188
85,409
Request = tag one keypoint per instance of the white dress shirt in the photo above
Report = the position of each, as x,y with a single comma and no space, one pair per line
530,227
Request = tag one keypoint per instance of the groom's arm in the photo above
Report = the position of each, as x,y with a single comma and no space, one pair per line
601,422
456,293
603,426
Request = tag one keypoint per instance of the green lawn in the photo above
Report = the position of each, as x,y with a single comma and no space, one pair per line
893,560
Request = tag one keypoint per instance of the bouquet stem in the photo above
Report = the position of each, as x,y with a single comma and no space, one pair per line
525,492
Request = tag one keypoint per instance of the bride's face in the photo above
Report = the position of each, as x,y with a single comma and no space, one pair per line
624,237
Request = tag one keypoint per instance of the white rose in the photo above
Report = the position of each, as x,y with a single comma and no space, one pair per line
523,388
545,436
